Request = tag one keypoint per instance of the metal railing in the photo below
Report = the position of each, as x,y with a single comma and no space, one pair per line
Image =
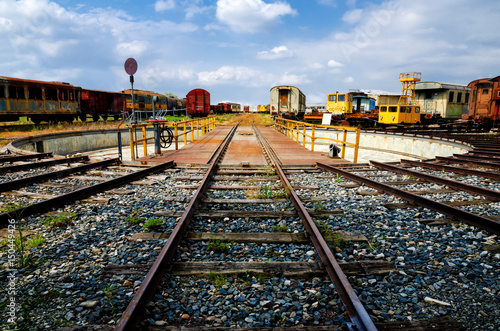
199,126
295,129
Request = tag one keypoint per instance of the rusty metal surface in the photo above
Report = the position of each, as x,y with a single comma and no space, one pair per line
42,164
463,171
454,213
13,184
479,158
461,160
494,195
244,147
200,151
355,308
290,152
132,314
6,159
47,205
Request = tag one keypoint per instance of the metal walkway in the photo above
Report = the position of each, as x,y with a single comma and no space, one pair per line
244,150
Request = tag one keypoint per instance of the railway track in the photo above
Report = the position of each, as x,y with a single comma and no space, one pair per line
210,273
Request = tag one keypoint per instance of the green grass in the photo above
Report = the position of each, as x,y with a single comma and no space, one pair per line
59,220
153,224
217,246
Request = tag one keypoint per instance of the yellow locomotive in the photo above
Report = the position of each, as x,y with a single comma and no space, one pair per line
407,111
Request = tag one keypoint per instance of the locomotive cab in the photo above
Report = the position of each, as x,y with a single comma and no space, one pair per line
399,114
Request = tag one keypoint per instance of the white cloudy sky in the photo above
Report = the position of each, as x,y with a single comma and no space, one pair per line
239,49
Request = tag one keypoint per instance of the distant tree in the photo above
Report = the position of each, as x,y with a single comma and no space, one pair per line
170,95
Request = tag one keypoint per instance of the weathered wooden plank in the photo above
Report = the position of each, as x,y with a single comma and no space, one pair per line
33,195
246,214
246,187
237,201
393,206
268,269
256,237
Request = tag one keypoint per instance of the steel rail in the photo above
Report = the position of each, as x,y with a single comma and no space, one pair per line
131,316
42,164
454,213
13,184
463,171
460,160
6,159
49,204
493,154
480,158
357,312
492,194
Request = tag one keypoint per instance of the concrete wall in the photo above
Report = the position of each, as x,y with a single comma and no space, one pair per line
73,142
408,144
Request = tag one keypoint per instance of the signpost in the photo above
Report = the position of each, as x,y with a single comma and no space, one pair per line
131,69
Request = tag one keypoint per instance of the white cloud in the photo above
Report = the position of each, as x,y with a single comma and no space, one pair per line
353,16
251,15
276,53
162,5
227,74
292,79
134,48
349,80
334,64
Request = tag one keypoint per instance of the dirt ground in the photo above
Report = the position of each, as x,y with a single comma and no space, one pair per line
246,119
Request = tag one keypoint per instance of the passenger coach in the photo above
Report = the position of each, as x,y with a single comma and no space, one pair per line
287,102
38,100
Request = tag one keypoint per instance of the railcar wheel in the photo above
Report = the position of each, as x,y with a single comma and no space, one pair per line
95,117
83,117
166,137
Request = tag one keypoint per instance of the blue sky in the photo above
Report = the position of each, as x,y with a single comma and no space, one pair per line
239,49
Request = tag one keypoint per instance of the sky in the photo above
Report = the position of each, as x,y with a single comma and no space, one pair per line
239,49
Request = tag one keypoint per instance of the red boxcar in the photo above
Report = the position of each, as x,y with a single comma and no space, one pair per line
198,102
101,104
484,102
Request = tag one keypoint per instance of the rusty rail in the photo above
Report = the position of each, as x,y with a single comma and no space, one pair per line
454,213
479,158
132,314
495,195
47,205
357,312
6,159
13,184
460,160
42,164
457,170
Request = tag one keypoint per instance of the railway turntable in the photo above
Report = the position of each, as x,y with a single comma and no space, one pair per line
241,150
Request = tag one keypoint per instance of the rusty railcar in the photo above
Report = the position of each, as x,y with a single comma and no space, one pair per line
101,104
484,105
442,100
198,102
288,102
38,100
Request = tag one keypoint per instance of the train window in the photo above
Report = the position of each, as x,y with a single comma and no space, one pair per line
383,109
140,98
428,95
409,109
451,96
71,96
402,109
2,91
417,110
50,94
16,92
467,96
459,97
393,109
341,97
332,97
35,93
486,91
63,95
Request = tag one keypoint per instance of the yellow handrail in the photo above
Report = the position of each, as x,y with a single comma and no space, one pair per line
291,129
199,125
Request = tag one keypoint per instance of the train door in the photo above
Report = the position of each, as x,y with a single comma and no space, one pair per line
284,103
